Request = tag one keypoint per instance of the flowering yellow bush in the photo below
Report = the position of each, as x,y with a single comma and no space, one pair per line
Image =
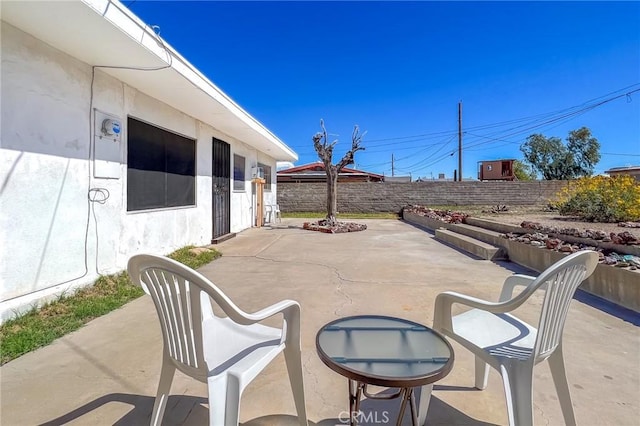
601,199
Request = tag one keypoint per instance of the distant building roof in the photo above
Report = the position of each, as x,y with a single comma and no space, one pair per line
633,171
397,178
623,169
316,172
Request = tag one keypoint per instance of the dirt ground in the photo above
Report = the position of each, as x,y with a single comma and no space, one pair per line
516,215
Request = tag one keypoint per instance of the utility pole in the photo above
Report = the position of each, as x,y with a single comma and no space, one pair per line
392,170
460,141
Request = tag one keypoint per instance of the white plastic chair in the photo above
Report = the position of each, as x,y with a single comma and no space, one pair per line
511,346
273,213
226,353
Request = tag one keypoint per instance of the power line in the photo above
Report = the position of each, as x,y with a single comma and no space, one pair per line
624,155
530,122
518,130
524,125
441,145
524,128
421,136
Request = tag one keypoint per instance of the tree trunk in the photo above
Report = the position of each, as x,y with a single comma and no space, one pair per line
325,152
332,196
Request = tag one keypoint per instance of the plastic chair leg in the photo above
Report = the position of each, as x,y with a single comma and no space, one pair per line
425,398
224,400
518,379
556,364
164,386
293,360
482,373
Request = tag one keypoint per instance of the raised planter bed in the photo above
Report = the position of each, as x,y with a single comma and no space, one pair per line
618,285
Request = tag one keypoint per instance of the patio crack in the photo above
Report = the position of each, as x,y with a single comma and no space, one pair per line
316,382
339,286
324,265
544,418
339,289
334,269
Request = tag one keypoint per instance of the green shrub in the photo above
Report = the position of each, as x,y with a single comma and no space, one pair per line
601,199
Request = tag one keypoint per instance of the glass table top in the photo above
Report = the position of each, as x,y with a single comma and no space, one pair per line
384,350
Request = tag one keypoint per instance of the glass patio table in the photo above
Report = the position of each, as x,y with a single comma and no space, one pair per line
388,352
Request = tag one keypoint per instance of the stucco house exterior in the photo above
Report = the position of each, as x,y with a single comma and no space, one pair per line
112,144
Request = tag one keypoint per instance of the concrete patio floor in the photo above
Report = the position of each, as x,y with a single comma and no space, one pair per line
107,372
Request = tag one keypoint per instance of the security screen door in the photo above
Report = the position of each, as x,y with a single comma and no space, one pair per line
221,178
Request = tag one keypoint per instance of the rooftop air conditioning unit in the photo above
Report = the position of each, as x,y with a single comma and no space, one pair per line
257,172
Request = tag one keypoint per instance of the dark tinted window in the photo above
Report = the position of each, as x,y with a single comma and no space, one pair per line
161,168
238,172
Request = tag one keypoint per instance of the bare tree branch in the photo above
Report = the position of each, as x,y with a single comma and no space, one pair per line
356,139
322,147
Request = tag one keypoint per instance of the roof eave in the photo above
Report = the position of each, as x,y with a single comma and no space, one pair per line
112,35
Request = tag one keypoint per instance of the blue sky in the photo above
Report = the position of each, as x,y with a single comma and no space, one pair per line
399,69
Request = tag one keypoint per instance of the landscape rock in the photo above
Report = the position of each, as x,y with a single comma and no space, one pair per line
552,243
547,236
629,224
566,248
337,228
628,238
531,225
447,216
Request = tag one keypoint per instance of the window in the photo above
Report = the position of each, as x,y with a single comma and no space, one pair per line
267,176
161,168
238,172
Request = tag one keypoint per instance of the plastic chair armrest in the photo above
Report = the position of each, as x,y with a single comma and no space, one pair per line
511,283
283,307
450,297
290,310
444,302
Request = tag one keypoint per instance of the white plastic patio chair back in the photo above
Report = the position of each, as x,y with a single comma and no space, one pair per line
510,345
227,353
561,282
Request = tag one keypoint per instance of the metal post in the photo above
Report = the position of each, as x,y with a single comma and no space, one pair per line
460,141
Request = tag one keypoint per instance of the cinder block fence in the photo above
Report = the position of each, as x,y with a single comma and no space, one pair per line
391,197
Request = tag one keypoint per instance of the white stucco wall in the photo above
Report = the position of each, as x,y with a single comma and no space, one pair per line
52,239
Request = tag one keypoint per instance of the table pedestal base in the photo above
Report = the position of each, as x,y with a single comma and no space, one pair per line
357,389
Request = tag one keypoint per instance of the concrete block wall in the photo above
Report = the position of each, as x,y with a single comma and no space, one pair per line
391,197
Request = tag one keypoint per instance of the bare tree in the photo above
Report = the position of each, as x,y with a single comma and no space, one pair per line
325,153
